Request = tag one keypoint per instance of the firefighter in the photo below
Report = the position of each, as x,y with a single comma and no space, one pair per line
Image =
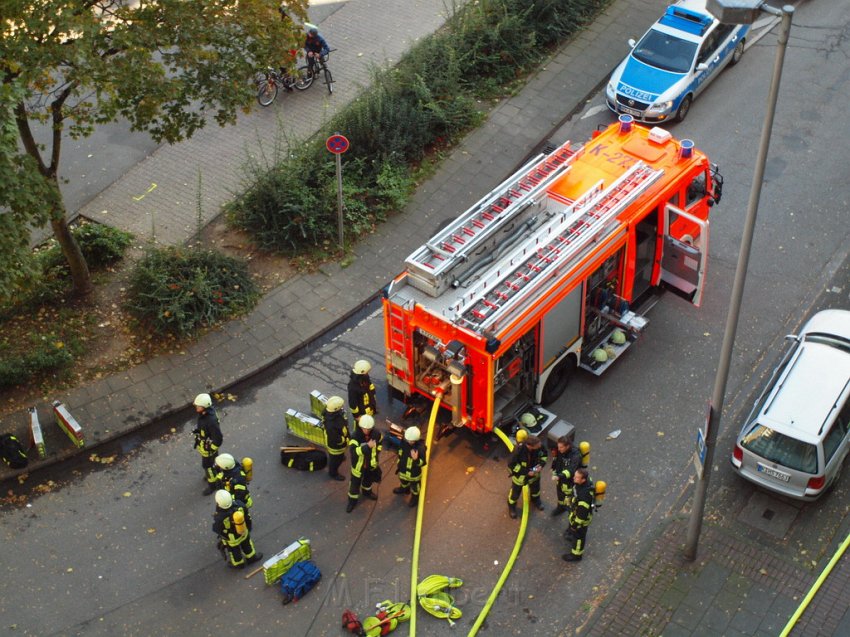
525,465
581,512
231,477
365,445
567,460
336,428
361,391
236,542
208,438
411,459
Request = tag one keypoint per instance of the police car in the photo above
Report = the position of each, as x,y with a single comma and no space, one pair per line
673,62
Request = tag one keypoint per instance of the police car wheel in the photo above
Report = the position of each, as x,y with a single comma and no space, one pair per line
737,54
684,108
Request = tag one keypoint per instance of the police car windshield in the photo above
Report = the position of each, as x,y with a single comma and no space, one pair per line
665,51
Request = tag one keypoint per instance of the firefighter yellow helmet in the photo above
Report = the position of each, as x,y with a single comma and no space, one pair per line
600,355
412,434
366,422
521,435
362,367
335,403
528,420
225,461
203,400
618,337
223,499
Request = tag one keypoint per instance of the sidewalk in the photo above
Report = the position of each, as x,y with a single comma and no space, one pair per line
737,586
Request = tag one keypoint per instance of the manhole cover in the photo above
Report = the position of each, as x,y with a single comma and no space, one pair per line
768,514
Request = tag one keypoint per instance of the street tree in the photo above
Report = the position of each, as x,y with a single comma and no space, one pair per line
166,66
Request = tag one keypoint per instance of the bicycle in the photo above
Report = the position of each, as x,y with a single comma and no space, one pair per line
269,82
309,72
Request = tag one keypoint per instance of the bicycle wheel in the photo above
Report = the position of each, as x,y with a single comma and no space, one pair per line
304,78
329,80
267,92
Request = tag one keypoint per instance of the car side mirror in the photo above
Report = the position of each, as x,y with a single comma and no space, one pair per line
702,66
632,42
792,337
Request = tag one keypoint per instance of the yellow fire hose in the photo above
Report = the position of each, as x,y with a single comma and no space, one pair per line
420,510
517,546
813,591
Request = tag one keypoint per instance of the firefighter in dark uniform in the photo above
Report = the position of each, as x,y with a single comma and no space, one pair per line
235,539
208,438
564,465
525,465
338,437
365,445
581,512
411,459
361,391
231,477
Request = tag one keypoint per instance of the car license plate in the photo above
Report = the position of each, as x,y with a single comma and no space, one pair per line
773,473
631,111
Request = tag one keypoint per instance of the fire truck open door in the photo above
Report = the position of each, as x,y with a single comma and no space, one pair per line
684,253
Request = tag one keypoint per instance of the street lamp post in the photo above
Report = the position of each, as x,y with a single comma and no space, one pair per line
737,12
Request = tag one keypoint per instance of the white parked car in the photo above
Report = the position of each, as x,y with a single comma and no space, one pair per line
797,435
673,62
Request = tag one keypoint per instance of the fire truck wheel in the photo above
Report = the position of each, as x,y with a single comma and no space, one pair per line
684,107
558,380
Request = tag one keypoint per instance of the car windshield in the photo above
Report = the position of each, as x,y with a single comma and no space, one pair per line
779,448
664,51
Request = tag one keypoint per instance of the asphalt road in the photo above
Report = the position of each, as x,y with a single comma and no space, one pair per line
124,546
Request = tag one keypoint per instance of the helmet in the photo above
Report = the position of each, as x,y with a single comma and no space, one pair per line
362,367
366,422
528,420
313,31
225,461
618,337
600,355
203,400
223,499
335,403
412,434
521,435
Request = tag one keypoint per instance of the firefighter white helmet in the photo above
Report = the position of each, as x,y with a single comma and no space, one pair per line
412,434
203,400
366,422
335,403
528,420
225,461
223,499
362,367
618,337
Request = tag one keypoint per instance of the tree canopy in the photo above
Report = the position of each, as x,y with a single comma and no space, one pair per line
166,66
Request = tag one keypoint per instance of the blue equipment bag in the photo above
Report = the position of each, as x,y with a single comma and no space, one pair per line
298,580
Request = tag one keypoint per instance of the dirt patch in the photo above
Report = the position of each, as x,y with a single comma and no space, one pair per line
110,341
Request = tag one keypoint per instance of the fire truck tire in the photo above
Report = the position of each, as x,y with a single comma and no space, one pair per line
558,380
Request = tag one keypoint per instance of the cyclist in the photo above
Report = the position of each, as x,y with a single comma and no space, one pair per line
315,46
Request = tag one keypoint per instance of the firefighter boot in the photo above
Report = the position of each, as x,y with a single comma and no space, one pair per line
512,511
571,557
254,558
401,490
351,504
371,495
558,510
414,500
538,504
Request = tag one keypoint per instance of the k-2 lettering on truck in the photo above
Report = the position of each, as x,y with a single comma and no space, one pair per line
551,271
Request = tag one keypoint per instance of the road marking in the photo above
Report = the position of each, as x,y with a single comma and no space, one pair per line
593,110
148,191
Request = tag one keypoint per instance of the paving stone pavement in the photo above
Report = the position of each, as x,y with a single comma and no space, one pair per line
739,587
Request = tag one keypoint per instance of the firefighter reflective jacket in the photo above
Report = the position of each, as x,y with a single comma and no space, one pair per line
361,395
581,511
522,461
363,456
564,467
408,469
208,436
336,428
235,482
225,527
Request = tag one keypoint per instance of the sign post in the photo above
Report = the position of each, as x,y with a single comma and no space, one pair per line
338,144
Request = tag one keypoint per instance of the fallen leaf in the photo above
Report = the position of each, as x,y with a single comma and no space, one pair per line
127,494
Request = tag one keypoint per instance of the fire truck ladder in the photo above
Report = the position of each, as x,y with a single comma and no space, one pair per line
398,338
456,242
526,269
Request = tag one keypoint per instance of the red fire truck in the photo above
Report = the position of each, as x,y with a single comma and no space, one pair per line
552,270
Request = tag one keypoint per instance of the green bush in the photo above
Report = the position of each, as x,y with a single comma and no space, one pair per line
427,102
43,352
101,247
177,291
